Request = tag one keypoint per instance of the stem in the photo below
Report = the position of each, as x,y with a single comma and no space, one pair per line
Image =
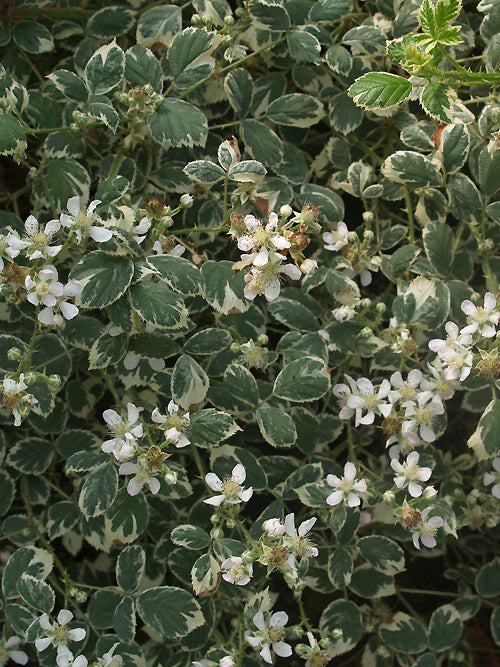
303,616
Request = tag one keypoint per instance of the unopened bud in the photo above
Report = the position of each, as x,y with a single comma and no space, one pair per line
365,332
368,217
286,211
186,201
235,347
229,21
365,303
381,307
54,382
368,235
262,339
14,354
171,477
429,492
216,533
30,378
308,266
352,237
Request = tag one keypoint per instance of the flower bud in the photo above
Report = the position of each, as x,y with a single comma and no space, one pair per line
308,266
286,211
30,378
429,492
262,339
170,477
366,332
381,307
368,235
186,201
229,21
368,217
54,382
235,347
14,354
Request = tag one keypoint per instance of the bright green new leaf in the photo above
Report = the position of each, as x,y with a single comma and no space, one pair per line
380,90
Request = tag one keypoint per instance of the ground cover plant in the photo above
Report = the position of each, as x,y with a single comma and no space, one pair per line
248,351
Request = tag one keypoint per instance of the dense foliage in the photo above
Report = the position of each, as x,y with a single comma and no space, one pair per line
248,333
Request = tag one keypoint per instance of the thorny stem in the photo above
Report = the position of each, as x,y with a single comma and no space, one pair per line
409,213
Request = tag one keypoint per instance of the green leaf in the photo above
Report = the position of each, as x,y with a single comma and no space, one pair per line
159,25
223,289
404,634
495,625
439,244
488,579
342,615
64,144
105,278
455,142
12,135
486,437
62,517
340,567
240,382
295,110
339,59
158,305
58,180
209,427
367,582
329,11
427,18
190,537
190,56
204,171
269,14
128,516
178,123
411,169
382,553
102,608
107,350
31,456
238,86
436,100
29,560
98,491
248,171
293,314
20,617
276,426
489,168
142,65
33,37
447,11
7,491
261,142
69,84
124,621
36,593
105,69
205,575
344,115
130,567
330,203
304,47
465,199
380,90
305,380
179,273
170,611
208,341
110,22
189,382
445,628
106,114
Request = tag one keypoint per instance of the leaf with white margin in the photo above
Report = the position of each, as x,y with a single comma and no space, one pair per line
342,615
178,123
105,69
159,25
224,289
404,634
295,110
380,90
32,560
205,575
411,169
170,611
189,382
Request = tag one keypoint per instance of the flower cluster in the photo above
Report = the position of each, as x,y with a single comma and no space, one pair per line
45,289
173,424
16,398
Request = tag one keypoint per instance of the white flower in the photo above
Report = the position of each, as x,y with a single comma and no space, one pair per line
336,240
270,634
299,546
16,398
142,475
344,392
409,473
485,319
141,229
58,635
82,222
266,280
308,266
66,660
36,241
406,390
347,488
236,571
123,444
110,660
427,530
454,351
421,413
490,477
46,289
366,399
8,651
226,661
230,489
173,425
273,527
